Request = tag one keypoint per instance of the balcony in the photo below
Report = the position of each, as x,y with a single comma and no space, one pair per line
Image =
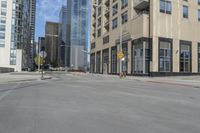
107,14
94,24
107,25
141,5
107,3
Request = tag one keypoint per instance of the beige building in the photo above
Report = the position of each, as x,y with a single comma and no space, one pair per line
51,43
159,37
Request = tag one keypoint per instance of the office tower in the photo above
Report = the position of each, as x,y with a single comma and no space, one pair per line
15,34
64,49
51,43
78,32
156,37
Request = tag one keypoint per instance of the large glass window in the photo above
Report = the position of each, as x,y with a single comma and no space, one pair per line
105,61
98,62
114,59
125,61
92,63
141,57
165,53
185,57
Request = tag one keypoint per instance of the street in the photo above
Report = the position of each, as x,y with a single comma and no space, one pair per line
98,104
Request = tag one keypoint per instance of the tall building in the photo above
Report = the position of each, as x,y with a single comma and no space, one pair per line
78,32
32,24
51,42
41,44
64,49
15,34
157,37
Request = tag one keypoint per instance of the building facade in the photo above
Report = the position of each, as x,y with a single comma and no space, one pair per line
15,34
52,43
64,49
78,33
32,24
157,37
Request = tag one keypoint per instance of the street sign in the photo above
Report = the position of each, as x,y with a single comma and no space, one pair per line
43,54
120,55
39,60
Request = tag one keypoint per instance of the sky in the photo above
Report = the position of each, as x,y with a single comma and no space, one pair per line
46,10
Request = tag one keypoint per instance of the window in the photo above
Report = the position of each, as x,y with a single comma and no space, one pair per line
124,3
198,57
140,51
168,7
114,9
2,43
99,11
106,40
124,17
99,32
99,22
114,59
165,6
2,20
2,35
185,56
92,62
165,55
93,45
98,62
2,27
114,23
185,11
125,62
3,4
199,15
105,61
3,12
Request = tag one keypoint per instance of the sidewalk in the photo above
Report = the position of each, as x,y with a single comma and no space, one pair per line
190,81
19,77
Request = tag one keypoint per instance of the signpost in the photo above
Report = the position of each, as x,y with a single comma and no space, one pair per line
120,55
43,55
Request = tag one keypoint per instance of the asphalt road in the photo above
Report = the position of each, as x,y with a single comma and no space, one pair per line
86,104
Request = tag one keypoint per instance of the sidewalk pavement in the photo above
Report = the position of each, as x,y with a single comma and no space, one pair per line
20,77
188,81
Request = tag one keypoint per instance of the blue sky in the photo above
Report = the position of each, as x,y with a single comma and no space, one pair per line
46,10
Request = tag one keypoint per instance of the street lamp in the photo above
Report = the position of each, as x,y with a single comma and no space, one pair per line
121,30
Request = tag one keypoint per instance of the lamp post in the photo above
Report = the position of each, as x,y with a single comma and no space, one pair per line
121,30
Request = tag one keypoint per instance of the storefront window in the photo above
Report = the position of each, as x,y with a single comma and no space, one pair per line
185,57
114,60
165,59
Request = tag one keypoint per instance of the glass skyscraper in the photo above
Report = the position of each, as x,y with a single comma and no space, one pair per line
78,32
